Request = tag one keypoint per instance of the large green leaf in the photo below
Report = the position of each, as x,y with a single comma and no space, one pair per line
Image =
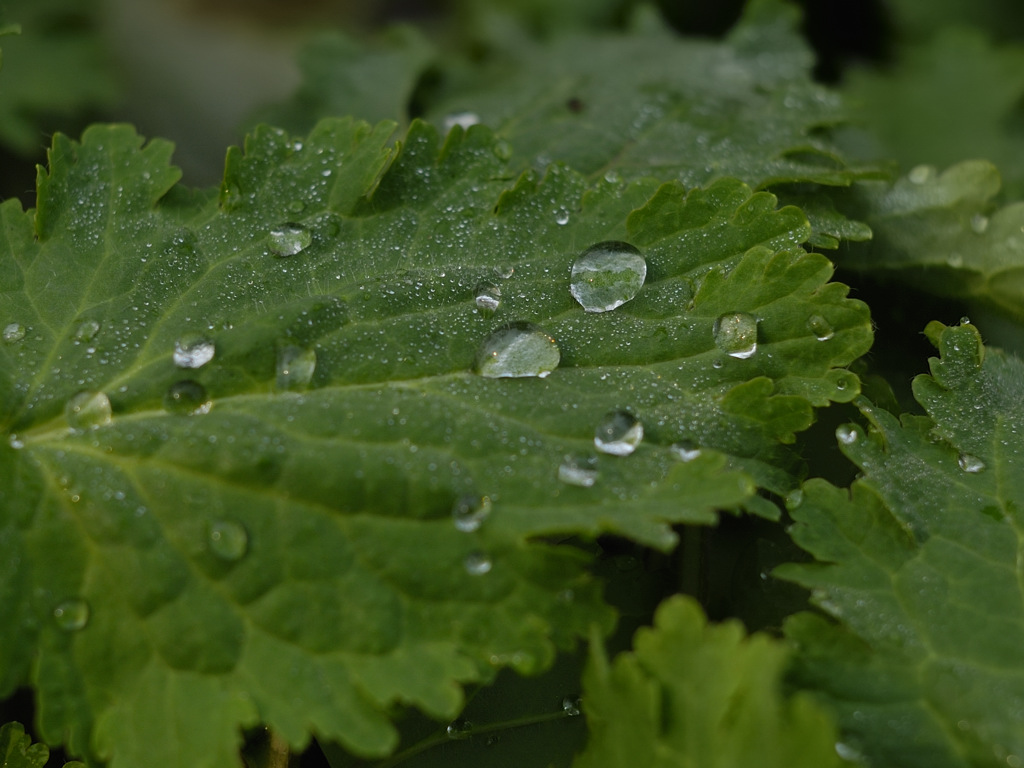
921,565
229,474
702,696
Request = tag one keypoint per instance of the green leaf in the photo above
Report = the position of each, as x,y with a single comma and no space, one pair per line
238,425
921,565
17,749
693,694
941,232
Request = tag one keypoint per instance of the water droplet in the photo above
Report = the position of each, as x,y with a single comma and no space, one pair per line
289,239
969,463
88,409
619,433
295,367
462,119
459,729
228,540
979,223
517,350
502,150
846,434
572,706
736,334
685,450
920,174
193,353
488,296
576,470
14,332
504,271
86,330
607,275
794,498
469,512
72,615
820,327
187,397
561,217
477,564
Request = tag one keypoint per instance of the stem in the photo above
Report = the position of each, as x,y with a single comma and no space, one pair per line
278,754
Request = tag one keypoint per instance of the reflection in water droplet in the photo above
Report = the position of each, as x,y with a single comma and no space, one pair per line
572,706
576,470
517,350
685,450
295,367
187,397
619,433
820,327
193,353
969,463
13,332
228,540
86,330
488,296
72,615
477,564
736,334
88,409
459,729
846,434
289,239
469,512
607,275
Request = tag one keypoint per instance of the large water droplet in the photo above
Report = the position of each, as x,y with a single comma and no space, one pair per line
619,433
820,327
920,174
13,332
685,450
86,330
469,512
517,350
562,217
607,275
289,239
969,463
193,353
459,729
228,540
72,615
578,470
736,334
295,367
846,434
187,397
88,409
488,296
572,706
477,564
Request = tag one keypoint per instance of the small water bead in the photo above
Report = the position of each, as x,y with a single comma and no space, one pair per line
295,367
477,564
188,398
517,350
193,353
820,327
685,450
289,239
572,706
228,540
970,464
72,615
577,470
736,334
488,296
619,433
86,330
469,512
459,729
846,434
88,409
607,275
14,332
